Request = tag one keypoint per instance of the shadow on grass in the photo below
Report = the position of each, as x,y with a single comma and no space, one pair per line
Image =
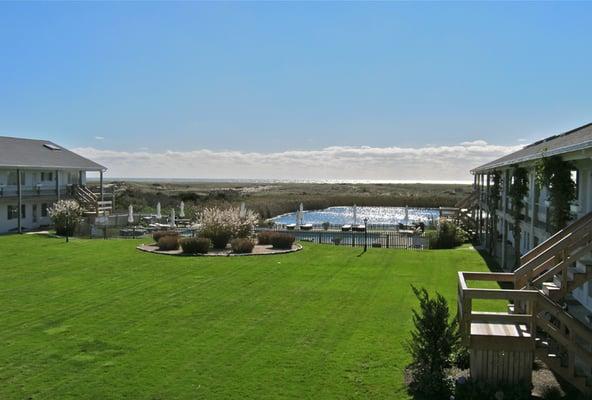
493,266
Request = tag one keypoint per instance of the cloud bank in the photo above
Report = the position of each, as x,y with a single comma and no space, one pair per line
447,163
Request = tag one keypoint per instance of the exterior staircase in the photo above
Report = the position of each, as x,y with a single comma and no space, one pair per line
537,308
91,201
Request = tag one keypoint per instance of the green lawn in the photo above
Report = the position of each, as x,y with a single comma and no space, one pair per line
101,320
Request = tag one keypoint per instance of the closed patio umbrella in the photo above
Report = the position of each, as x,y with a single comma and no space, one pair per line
158,214
173,218
243,210
355,212
182,210
130,214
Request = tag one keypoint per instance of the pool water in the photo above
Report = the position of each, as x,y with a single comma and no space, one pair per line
375,215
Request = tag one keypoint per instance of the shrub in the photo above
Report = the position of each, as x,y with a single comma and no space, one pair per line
167,243
158,234
264,237
326,226
461,357
219,225
282,240
242,246
195,245
432,341
219,238
448,236
65,215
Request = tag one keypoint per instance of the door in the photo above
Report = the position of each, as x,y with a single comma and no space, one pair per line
34,213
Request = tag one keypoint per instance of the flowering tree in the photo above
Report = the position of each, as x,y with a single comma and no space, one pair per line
65,215
220,225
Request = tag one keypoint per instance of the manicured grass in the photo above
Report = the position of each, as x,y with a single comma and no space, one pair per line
100,320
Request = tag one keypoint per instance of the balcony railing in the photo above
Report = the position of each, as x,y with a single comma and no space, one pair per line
32,191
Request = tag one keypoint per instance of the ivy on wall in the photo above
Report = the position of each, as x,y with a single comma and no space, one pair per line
517,191
554,173
494,197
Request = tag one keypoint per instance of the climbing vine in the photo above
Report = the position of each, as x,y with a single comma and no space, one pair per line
518,190
554,173
494,198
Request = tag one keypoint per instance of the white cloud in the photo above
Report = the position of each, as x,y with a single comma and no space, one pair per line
338,162
99,137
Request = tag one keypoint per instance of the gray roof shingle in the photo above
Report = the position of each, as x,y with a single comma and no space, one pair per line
30,153
576,139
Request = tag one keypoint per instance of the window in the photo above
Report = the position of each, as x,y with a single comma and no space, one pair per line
51,146
12,178
44,210
12,213
23,211
46,176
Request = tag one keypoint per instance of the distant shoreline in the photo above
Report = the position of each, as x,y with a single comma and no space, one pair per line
306,181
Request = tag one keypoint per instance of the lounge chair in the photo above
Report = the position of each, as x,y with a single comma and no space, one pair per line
346,228
306,227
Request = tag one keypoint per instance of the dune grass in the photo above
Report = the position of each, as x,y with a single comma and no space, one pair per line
100,320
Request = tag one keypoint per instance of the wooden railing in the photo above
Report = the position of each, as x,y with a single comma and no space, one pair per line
555,254
466,295
561,338
468,201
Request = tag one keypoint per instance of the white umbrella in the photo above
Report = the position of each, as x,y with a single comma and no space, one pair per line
301,213
243,210
406,215
158,214
182,210
130,214
173,218
355,211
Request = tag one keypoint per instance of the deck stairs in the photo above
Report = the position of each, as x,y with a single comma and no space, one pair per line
537,302
91,201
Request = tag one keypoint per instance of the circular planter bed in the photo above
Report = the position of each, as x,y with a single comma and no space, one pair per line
258,250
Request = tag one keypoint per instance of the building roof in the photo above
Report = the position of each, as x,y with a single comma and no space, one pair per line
576,139
30,153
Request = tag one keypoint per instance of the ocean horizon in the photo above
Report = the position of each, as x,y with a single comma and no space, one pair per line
262,180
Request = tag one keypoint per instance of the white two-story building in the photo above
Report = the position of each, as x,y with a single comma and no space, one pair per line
574,146
34,174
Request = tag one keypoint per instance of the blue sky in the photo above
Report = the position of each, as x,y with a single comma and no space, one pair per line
262,82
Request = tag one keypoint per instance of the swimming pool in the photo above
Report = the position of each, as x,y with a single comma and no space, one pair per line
376,216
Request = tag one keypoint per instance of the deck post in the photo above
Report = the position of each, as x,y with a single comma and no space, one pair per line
57,184
20,200
101,185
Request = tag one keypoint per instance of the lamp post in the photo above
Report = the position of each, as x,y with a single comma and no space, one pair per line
365,234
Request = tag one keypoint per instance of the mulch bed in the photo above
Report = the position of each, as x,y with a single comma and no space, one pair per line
258,250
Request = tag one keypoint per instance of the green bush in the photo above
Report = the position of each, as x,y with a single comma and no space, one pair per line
326,226
432,342
461,357
219,238
195,245
242,246
448,236
264,238
282,240
467,389
159,234
167,243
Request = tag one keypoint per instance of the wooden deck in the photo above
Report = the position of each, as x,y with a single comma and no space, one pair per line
500,330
